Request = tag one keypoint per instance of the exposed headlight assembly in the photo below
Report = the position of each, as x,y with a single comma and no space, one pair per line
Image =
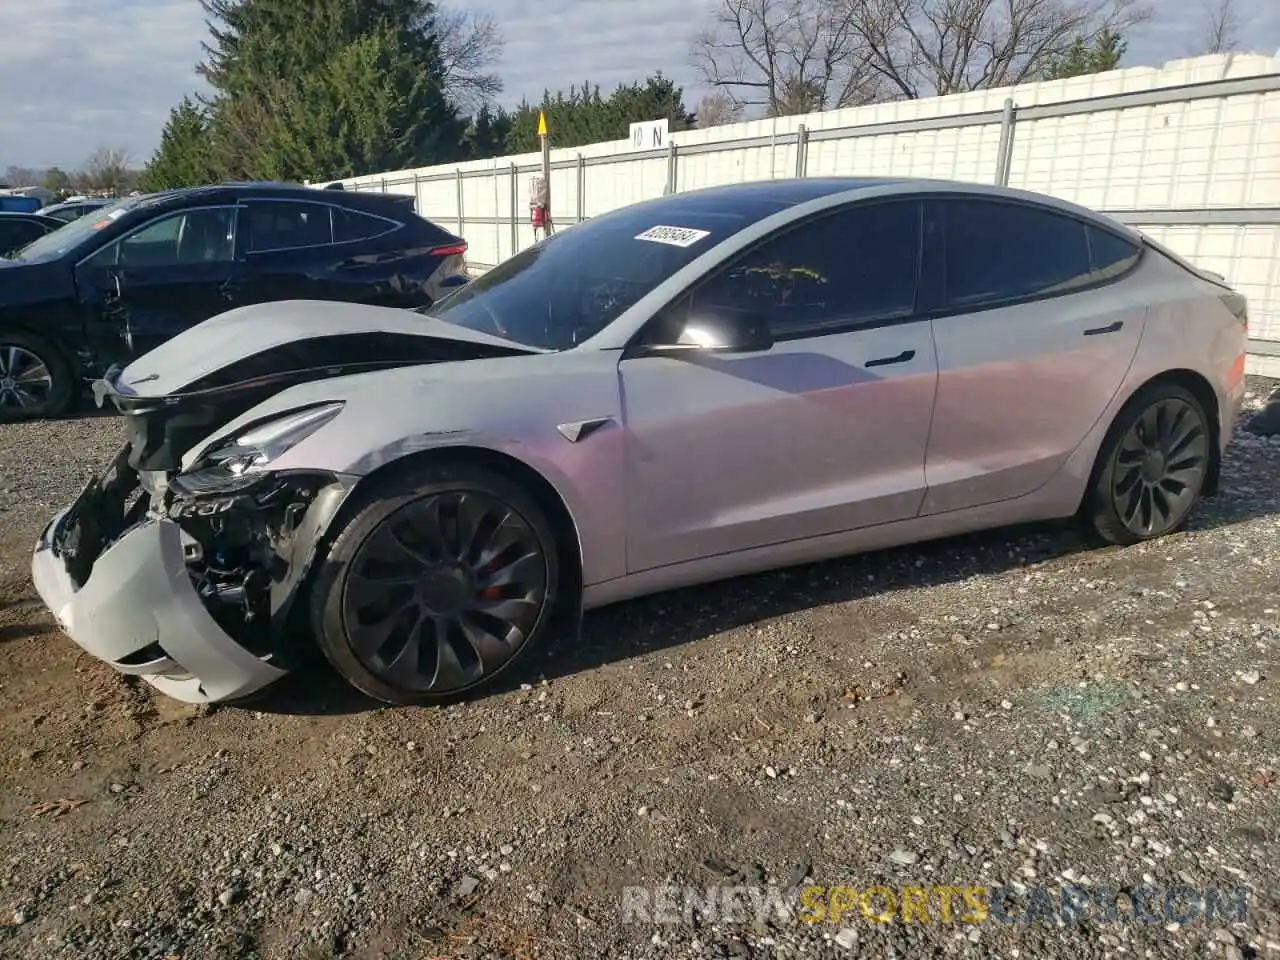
238,463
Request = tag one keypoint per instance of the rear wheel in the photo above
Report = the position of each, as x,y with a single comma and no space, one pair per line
36,380
443,580
1154,463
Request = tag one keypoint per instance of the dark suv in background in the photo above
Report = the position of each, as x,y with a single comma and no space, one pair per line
19,229
118,282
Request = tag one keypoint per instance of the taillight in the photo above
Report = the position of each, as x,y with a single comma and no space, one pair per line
450,250
1238,305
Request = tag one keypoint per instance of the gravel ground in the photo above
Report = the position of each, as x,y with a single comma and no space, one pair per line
1016,709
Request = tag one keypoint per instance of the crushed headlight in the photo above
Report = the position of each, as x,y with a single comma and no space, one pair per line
240,462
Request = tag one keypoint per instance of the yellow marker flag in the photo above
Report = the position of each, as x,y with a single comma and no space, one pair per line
542,124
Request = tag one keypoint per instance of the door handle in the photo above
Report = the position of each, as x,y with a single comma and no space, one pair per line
903,357
1109,328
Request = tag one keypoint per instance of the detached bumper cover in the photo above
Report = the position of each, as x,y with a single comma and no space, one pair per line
139,612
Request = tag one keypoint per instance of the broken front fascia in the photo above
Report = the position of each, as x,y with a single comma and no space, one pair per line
247,549
182,563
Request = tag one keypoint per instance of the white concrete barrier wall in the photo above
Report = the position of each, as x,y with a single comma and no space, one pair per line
1189,153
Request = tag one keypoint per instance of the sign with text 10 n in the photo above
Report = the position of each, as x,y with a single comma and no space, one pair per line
649,134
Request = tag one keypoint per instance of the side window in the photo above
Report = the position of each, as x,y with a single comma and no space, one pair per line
350,225
996,252
1110,255
281,225
859,264
180,239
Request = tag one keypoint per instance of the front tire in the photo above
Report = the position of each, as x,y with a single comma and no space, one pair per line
36,379
442,580
1153,466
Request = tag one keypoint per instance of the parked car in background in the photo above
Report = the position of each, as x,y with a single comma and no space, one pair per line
19,203
112,285
700,386
75,208
19,229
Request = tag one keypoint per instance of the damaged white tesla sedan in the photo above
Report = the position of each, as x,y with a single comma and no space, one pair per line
690,388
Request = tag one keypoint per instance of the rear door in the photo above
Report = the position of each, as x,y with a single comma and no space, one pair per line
288,247
164,276
1034,334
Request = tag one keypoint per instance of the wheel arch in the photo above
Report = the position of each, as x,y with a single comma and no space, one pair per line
533,482
1198,385
63,357
31,326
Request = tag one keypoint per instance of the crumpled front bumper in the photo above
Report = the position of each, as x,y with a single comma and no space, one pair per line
139,611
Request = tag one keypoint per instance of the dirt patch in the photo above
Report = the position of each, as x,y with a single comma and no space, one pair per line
1009,708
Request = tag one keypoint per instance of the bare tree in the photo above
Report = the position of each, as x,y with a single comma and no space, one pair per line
107,170
16,176
470,46
716,109
788,56
935,47
1221,27
816,54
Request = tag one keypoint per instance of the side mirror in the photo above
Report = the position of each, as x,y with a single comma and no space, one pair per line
720,331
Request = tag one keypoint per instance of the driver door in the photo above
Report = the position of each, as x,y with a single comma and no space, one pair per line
163,277
822,433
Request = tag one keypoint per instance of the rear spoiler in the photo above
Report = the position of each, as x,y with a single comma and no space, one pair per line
400,199
1216,279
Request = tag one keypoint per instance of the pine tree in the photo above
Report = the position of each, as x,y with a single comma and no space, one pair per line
318,89
182,159
583,116
1094,55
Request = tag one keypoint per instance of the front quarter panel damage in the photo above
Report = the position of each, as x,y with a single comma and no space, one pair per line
506,406
250,551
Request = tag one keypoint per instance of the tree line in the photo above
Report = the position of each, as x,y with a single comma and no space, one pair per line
781,57
106,171
337,88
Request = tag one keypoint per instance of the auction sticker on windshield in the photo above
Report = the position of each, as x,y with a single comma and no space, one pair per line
673,236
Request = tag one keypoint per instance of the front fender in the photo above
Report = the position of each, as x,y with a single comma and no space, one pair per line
511,406
588,481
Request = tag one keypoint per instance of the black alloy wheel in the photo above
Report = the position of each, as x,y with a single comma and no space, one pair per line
432,591
1157,461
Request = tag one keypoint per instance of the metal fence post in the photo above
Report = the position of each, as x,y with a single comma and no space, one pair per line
1008,121
802,151
515,201
582,188
457,180
671,168
384,184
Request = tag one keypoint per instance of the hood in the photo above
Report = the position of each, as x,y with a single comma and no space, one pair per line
25,282
296,336
210,374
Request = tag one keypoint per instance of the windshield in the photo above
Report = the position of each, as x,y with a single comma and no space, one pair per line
569,287
78,231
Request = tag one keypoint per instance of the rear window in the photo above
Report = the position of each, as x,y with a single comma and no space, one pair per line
569,287
274,225
351,225
998,252
1110,255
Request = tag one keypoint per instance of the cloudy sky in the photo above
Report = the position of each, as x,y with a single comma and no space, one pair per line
76,75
